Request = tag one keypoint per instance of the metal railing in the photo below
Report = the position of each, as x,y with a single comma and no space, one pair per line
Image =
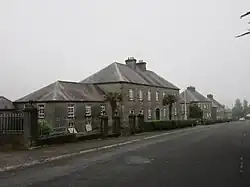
11,122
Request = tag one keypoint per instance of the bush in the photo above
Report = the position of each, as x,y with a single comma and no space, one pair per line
168,125
210,122
45,127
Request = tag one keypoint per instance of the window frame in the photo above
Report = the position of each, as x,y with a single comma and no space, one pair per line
71,114
102,109
131,94
88,110
163,94
149,116
149,95
140,95
39,110
157,95
164,113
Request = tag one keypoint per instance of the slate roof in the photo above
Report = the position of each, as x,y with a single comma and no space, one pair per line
182,99
5,103
117,72
193,96
65,91
215,103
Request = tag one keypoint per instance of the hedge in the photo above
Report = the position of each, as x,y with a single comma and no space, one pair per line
175,124
210,122
168,125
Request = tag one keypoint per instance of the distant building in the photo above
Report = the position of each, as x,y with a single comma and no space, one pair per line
182,107
5,104
193,96
218,110
228,114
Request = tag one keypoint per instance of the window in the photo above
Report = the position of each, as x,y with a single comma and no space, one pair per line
157,96
164,113
131,94
88,110
175,111
140,95
163,94
41,111
102,109
71,111
149,95
149,113
182,108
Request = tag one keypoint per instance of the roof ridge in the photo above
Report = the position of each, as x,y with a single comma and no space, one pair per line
2,97
119,72
96,73
71,82
55,90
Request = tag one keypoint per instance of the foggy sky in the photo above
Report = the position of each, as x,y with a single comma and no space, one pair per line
188,42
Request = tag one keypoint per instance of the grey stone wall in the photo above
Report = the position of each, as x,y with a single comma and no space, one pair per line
144,105
56,114
206,108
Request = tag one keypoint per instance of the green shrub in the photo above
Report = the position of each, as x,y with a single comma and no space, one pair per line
45,127
168,125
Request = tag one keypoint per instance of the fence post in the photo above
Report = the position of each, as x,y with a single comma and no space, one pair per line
26,128
140,122
31,126
105,124
116,125
132,121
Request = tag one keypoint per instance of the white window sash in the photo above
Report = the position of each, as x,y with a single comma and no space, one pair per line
130,94
88,111
71,111
140,95
149,95
41,111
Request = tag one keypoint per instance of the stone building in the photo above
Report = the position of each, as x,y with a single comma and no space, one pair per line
5,104
218,110
193,96
142,89
66,104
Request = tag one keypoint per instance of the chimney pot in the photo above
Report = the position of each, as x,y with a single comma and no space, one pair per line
131,62
210,96
191,88
141,65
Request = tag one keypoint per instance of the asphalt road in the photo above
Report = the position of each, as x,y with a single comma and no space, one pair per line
217,156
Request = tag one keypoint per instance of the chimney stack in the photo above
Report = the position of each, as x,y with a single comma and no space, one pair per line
141,65
191,88
131,62
210,96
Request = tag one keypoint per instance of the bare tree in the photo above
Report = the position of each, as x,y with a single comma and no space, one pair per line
248,32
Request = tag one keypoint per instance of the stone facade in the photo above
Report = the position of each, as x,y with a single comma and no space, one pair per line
57,114
218,109
228,114
193,96
137,104
182,110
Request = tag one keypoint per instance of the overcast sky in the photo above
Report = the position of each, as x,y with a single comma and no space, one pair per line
188,42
